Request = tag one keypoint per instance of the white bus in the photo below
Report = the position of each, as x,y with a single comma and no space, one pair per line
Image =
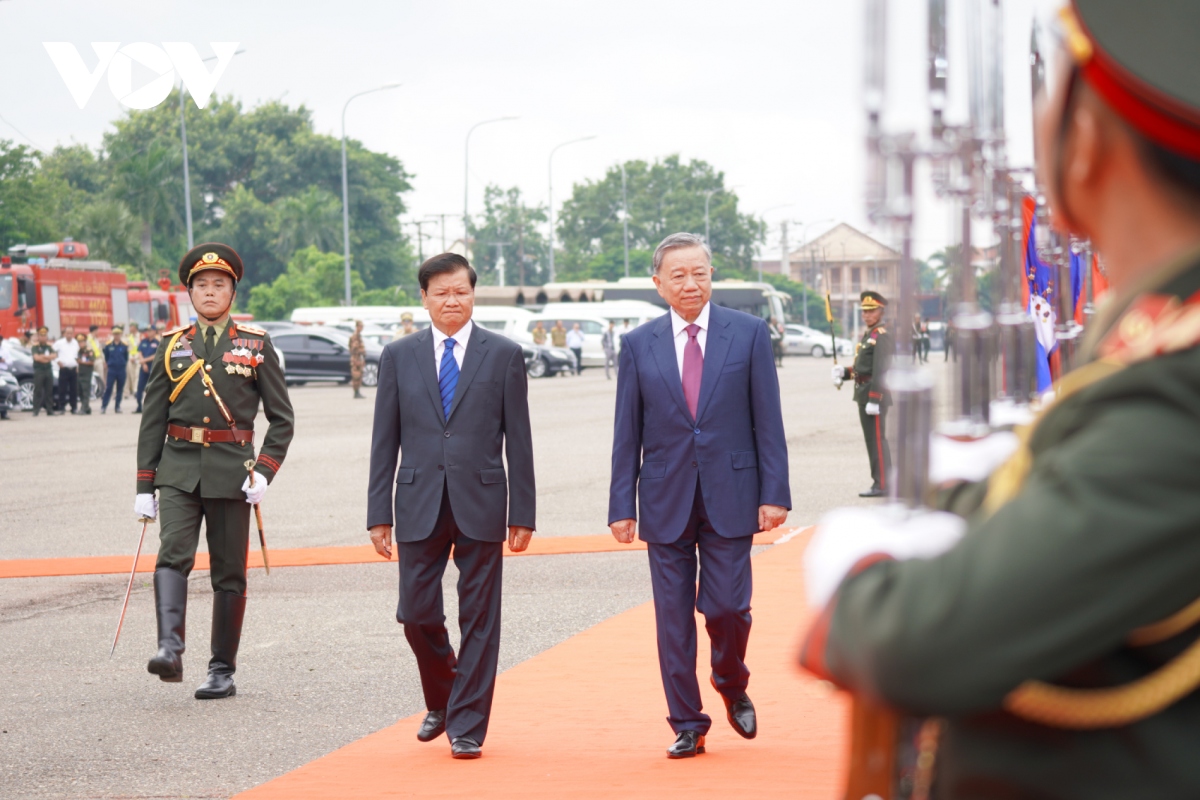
760,299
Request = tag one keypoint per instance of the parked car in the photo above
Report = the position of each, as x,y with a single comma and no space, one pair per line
10,389
322,354
802,340
542,362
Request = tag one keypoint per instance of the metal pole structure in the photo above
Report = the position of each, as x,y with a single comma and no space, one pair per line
625,218
187,181
550,172
812,262
442,220
346,187
785,263
467,179
707,196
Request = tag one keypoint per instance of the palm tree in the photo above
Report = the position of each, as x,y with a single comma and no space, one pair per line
148,182
110,230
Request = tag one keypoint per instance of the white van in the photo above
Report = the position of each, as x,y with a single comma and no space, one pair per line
636,311
592,327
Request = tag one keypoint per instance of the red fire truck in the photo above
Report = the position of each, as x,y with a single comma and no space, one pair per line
58,286
164,303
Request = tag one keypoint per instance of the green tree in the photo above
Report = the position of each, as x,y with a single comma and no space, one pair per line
26,215
310,218
111,232
509,220
312,278
149,181
666,196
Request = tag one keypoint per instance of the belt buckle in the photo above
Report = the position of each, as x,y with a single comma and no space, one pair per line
197,436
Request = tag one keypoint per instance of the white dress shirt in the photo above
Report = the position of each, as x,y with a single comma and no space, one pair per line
678,328
68,353
460,346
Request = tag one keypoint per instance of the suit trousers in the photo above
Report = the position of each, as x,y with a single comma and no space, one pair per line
116,380
461,685
878,452
723,598
227,524
68,388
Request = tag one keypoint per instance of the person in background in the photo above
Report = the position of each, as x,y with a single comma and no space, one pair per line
131,371
776,329
146,350
558,335
539,333
575,344
66,350
27,340
871,361
43,372
608,342
87,367
358,358
116,359
97,349
406,322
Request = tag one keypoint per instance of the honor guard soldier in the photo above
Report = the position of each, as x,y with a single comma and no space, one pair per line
871,360
196,448
1056,629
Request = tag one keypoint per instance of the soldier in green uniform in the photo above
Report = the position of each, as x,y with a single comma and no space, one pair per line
44,356
206,383
87,366
873,355
1058,633
358,359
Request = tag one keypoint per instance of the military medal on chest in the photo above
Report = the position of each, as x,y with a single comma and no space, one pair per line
244,357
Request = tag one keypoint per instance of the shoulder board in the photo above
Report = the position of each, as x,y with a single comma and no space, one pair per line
244,328
881,329
180,329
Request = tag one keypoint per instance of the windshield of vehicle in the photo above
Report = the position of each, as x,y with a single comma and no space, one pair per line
140,313
6,291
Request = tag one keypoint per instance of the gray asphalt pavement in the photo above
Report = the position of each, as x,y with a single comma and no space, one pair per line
323,661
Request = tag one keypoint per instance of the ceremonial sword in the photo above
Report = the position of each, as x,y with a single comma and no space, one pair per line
132,570
832,336
262,539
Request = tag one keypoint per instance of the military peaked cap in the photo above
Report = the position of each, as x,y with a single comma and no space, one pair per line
872,300
210,255
1142,58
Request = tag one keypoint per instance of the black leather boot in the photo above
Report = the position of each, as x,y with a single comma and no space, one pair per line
170,605
229,610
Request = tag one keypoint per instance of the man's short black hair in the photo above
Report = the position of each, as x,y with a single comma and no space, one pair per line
444,264
93,328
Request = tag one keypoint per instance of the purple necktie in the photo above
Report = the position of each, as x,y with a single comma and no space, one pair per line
693,368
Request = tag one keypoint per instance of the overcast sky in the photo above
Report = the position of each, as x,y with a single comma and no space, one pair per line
767,92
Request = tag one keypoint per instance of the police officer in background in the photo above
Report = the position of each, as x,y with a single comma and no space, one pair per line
197,433
1051,617
116,358
870,363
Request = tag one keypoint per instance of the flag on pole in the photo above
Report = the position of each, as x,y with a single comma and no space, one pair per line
1038,286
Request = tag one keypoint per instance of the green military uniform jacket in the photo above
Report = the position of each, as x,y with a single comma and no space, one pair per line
1101,537
871,361
43,367
245,370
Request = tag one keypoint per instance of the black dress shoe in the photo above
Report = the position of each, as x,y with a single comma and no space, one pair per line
874,491
433,726
740,713
688,744
465,747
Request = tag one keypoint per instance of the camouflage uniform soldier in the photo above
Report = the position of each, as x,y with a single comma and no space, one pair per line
197,433
358,359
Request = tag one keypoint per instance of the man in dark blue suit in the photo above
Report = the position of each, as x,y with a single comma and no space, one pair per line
698,445
451,405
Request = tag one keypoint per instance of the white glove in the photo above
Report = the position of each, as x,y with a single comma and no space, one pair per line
847,535
254,496
144,505
839,374
954,460
872,409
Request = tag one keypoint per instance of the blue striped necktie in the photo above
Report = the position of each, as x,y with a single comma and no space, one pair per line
448,377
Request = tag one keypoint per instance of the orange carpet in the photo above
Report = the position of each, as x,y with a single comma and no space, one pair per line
586,719
313,556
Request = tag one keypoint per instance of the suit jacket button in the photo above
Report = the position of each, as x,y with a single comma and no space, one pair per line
696,431
447,434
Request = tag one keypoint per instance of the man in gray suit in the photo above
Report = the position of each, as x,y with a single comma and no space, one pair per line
449,398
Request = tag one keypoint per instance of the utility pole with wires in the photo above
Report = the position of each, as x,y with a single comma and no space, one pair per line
421,236
442,220
499,259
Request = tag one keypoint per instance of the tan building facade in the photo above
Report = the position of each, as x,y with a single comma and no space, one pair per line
844,262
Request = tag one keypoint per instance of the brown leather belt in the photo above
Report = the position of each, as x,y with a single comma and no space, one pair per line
859,380
205,435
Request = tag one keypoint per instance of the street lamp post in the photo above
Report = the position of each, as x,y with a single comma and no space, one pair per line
625,217
187,181
467,179
346,187
550,171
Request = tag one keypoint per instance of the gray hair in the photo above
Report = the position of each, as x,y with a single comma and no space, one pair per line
676,241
